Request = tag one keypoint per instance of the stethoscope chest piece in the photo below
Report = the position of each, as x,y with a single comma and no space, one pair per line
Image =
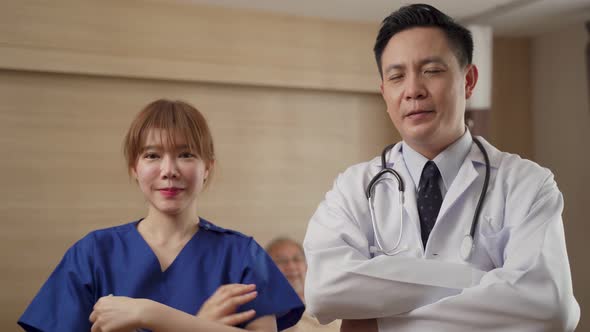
466,247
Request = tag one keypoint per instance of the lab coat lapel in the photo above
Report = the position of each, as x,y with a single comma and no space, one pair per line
465,177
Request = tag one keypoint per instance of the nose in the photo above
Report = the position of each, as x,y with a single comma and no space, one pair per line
168,168
415,89
291,265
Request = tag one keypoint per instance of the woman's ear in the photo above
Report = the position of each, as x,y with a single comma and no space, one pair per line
133,173
470,80
209,169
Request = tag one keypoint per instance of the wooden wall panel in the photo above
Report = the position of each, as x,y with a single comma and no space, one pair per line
278,153
511,114
166,40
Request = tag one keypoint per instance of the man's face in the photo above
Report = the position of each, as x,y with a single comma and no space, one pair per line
291,261
425,88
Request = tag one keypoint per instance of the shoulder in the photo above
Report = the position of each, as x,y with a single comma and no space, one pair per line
207,226
510,165
91,249
105,237
362,173
362,168
515,169
357,175
115,230
225,237
518,175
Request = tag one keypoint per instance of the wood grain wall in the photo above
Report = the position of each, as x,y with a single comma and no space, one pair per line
163,40
511,126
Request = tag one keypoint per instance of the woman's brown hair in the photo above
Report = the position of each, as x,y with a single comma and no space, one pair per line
174,119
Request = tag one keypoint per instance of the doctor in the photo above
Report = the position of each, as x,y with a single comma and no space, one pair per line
515,277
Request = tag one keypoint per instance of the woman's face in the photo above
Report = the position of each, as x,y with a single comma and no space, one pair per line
170,178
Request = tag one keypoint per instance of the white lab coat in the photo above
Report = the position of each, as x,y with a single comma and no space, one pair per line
517,279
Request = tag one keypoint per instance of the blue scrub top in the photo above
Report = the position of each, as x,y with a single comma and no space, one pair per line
118,261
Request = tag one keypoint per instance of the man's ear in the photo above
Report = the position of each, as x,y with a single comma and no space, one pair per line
471,75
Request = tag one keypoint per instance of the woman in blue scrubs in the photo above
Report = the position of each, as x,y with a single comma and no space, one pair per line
171,270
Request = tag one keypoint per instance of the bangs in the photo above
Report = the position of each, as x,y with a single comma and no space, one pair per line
174,128
174,120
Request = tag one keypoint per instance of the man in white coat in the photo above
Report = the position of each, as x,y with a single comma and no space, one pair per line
423,276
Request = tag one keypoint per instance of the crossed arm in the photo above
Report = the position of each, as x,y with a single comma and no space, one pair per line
531,290
218,314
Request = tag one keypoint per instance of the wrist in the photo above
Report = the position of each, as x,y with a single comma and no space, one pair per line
146,311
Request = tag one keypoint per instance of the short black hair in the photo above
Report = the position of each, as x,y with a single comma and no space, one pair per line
422,15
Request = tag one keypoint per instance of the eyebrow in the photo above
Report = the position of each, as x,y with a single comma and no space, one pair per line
425,61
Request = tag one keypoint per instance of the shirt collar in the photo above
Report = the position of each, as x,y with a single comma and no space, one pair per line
448,161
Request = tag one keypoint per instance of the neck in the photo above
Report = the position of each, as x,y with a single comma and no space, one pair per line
432,149
165,228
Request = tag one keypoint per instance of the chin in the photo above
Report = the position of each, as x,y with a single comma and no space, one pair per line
170,210
420,134
298,285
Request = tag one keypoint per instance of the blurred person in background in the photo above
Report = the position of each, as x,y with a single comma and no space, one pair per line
289,257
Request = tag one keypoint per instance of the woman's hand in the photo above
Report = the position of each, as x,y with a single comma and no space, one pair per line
222,305
116,314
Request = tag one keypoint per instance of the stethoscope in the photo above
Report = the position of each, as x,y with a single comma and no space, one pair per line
468,240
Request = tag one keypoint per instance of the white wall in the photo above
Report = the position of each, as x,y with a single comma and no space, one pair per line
561,127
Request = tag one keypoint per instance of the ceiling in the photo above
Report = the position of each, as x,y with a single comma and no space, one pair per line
507,17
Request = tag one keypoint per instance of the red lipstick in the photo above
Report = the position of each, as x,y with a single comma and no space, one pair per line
170,192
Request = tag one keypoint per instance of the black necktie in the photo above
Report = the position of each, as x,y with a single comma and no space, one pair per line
429,199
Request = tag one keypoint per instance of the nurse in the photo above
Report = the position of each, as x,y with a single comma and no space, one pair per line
517,276
172,270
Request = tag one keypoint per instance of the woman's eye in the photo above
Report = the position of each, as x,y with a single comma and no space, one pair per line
186,155
150,155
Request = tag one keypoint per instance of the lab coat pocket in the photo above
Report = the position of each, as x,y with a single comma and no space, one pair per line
490,226
493,237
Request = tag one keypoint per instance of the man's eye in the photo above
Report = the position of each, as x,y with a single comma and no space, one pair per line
299,259
282,261
433,71
396,77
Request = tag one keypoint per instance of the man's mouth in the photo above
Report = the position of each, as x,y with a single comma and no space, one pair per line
418,113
